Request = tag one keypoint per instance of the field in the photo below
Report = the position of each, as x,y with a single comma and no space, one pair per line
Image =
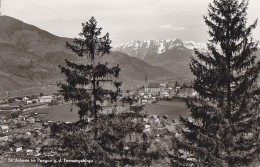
60,113
63,112
173,109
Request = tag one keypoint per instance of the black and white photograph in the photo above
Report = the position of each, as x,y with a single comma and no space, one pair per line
129,83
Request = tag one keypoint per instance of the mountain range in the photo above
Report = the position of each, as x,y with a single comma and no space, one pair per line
29,57
143,49
172,55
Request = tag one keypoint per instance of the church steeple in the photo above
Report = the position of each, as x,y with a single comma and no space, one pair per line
146,78
145,82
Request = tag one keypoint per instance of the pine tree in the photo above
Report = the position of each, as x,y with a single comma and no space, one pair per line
98,137
223,129
84,80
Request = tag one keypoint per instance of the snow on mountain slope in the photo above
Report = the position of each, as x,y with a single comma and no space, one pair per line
141,49
172,55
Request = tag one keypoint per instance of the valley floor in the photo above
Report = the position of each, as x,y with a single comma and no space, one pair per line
173,109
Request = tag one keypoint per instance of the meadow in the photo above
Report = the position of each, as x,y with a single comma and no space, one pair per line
173,109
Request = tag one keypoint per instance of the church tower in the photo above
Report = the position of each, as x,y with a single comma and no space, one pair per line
145,82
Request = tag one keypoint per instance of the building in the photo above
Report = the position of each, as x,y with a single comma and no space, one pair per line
24,99
147,128
45,99
187,92
30,151
164,94
153,88
31,120
154,119
4,138
5,128
17,147
29,102
144,99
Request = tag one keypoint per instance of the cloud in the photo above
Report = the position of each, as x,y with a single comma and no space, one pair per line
125,20
169,26
166,26
178,28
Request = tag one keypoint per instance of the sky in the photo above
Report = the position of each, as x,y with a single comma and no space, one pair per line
125,20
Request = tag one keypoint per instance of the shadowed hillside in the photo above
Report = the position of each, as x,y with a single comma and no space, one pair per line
29,57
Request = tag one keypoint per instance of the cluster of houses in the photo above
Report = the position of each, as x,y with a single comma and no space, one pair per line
20,123
40,99
31,128
45,148
29,125
153,91
26,103
41,144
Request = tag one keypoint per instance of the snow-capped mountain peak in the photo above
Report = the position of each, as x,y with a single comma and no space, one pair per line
148,47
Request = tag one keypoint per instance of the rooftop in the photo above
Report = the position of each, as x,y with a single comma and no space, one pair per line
154,85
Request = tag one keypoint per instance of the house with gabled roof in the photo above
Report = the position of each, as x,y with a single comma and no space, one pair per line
153,88
17,147
154,119
45,99
30,150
